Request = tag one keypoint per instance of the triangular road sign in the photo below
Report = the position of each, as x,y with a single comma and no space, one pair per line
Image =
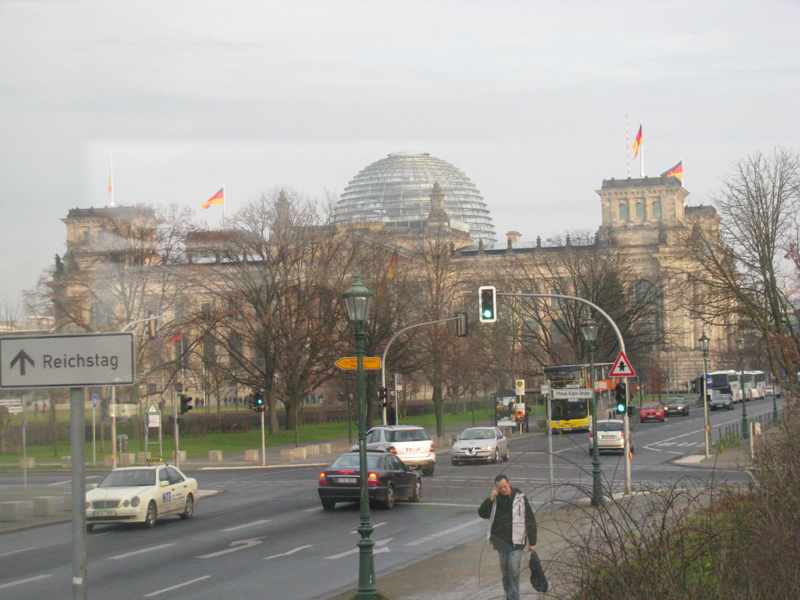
622,368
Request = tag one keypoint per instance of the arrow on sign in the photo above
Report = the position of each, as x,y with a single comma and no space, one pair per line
20,358
235,547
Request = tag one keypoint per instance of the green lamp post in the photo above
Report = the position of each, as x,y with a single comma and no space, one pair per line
589,328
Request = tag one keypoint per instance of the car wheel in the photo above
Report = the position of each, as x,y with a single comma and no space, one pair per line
506,456
415,496
151,516
388,503
493,457
188,510
89,527
429,471
454,461
328,504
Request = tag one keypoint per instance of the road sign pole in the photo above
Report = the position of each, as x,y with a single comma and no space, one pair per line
77,444
94,432
24,449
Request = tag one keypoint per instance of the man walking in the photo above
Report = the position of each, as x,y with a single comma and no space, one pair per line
512,525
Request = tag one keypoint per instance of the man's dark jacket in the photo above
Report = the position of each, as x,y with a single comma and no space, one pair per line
501,527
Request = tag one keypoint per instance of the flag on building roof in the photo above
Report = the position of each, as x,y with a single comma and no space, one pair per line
218,198
637,143
392,265
676,171
175,338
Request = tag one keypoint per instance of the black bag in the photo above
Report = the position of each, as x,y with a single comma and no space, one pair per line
538,580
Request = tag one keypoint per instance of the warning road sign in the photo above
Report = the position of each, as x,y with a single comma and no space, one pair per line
622,368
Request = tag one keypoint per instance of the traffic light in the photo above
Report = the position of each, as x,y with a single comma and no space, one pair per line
186,402
152,327
258,402
622,401
461,325
383,394
487,300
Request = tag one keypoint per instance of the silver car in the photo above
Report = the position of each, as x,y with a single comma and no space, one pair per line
410,443
486,444
610,436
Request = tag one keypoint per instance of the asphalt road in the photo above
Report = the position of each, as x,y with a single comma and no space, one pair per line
265,535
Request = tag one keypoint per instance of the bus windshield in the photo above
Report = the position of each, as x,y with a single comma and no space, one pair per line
565,410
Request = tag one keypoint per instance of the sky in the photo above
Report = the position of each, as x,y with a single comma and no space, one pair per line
532,100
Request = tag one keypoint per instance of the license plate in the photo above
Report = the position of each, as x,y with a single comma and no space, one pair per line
104,513
606,437
346,480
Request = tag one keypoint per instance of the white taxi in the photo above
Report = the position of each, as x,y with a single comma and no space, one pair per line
141,495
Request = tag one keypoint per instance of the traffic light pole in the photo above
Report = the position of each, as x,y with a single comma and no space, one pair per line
386,350
611,322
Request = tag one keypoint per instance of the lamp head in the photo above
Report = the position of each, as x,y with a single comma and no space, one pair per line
589,329
358,300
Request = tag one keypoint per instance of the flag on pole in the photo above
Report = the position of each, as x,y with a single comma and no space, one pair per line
637,143
218,198
111,179
175,338
676,171
392,265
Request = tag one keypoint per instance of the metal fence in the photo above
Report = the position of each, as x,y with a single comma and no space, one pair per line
730,430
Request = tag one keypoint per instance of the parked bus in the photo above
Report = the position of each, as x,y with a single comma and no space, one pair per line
573,414
728,382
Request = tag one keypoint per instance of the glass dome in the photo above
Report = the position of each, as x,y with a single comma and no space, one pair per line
397,188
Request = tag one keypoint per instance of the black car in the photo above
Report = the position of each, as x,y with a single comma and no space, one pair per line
677,406
388,480
720,401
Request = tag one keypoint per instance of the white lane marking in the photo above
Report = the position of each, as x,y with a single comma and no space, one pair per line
445,504
23,581
445,532
312,509
289,552
57,483
15,552
246,525
356,550
135,552
235,547
175,587
374,526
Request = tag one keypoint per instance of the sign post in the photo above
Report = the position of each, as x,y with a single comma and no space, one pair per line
74,361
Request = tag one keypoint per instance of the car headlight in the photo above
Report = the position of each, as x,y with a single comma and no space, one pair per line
126,504
135,501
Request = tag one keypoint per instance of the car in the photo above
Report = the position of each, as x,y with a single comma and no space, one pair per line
486,444
677,406
141,495
611,436
388,480
651,411
720,401
410,443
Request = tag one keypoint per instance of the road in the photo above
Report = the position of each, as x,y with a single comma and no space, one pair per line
265,535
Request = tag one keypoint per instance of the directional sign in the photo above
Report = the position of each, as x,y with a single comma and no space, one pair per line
73,360
94,400
572,393
350,363
622,368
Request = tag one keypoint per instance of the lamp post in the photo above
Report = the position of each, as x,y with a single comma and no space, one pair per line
704,345
358,300
589,328
745,426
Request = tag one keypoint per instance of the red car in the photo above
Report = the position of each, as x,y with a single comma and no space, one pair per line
651,411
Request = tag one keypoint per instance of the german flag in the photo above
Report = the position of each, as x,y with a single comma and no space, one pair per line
218,198
392,266
676,171
637,143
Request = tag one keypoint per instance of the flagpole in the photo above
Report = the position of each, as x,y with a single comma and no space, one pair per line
223,206
628,146
682,171
111,179
641,150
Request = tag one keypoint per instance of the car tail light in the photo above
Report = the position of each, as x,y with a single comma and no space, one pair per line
373,479
432,447
392,449
348,471
323,479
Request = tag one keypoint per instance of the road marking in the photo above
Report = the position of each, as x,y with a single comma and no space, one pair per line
356,550
445,532
175,587
289,552
374,526
235,547
15,552
446,504
23,581
57,483
135,552
246,525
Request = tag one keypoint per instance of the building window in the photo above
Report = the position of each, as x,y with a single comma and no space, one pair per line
623,211
87,238
639,210
655,210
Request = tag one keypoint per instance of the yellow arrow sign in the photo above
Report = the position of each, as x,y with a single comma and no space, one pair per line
350,363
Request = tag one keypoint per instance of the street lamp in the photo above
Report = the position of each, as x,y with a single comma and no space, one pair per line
704,345
358,300
589,328
745,425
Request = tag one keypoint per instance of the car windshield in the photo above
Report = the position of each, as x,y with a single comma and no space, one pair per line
129,478
651,405
406,435
350,461
610,426
476,434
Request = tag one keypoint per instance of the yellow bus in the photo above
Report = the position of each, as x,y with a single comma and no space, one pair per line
572,413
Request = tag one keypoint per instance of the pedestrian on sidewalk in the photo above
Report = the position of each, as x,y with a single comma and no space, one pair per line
512,526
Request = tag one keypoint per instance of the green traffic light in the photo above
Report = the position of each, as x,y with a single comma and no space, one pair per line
487,314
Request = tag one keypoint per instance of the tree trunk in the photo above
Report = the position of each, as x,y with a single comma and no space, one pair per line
438,406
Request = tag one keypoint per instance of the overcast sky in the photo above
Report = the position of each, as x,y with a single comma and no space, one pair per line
529,99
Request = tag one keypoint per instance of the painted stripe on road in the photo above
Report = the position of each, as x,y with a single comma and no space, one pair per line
356,550
374,526
175,587
289,552
15,552
135,552
23,581
246,525
445,532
